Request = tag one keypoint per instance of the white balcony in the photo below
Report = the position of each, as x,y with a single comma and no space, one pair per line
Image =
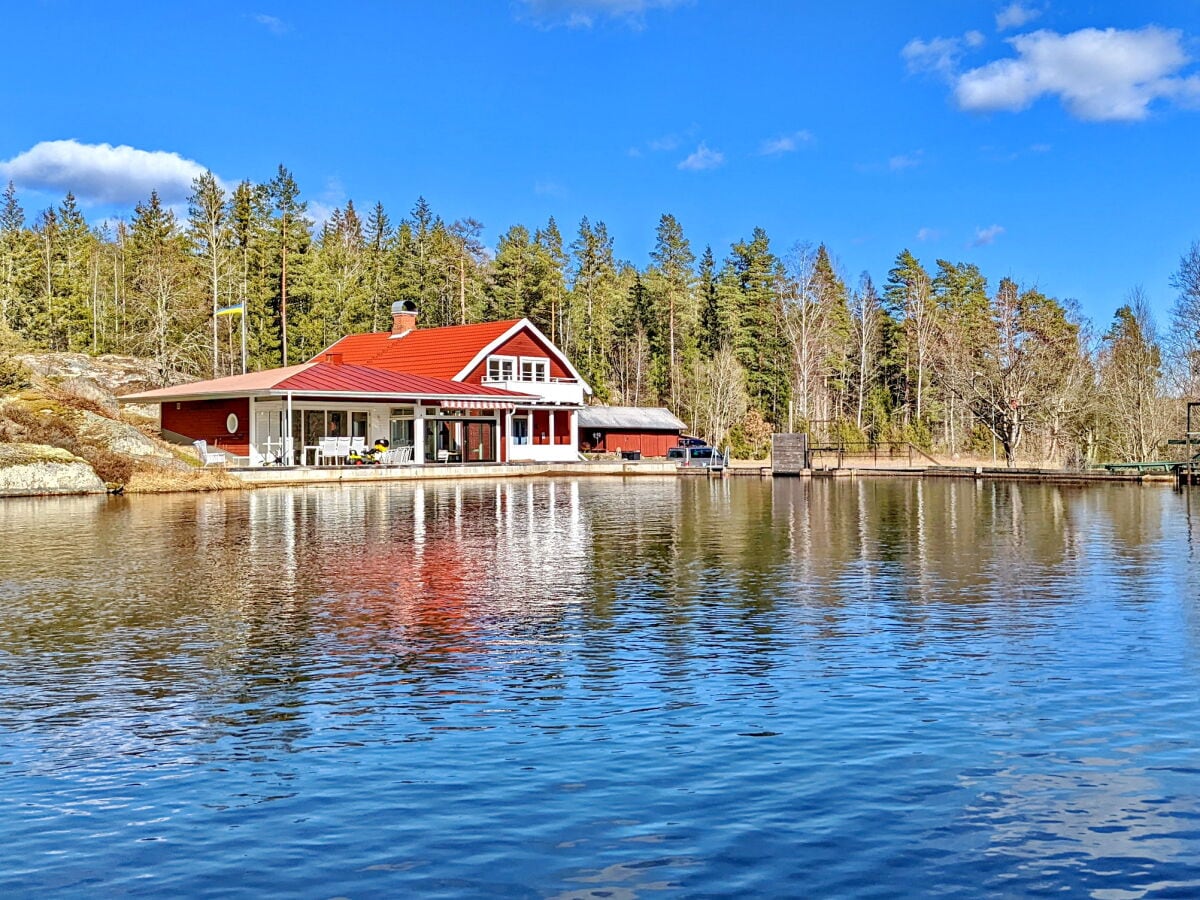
542,452
556,390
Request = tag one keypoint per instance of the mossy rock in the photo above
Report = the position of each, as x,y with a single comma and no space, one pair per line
30,469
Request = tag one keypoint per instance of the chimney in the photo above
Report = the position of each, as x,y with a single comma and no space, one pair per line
334,359
404,316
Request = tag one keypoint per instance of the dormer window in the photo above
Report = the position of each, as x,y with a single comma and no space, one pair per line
535,368
501,368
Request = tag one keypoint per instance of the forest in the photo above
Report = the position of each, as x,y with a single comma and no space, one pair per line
755,340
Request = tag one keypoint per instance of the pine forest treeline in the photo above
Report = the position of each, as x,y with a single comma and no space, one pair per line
756,340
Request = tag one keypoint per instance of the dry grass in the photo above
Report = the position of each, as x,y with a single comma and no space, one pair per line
158,480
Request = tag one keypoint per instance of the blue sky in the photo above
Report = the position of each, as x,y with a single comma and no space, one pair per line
1051,142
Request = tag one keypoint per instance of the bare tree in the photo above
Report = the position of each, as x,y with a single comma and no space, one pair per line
1184,339
866,320
716,395
806,323
1136,412
1016,369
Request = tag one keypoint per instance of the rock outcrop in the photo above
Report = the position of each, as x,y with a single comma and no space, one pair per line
122,438
62,432
114,375
30,469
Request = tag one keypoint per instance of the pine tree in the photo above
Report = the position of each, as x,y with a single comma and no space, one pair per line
208,228
380,265
167,312
552,280
672,282
750,283
514,285
17,261
292,236
713,333
251,227
467,265
593,298
908,293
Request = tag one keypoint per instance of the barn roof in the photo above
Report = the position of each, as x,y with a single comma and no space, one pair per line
631,418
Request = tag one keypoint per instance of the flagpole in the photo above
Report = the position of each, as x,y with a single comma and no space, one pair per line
243,337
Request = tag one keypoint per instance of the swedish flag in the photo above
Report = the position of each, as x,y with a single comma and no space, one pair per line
236,310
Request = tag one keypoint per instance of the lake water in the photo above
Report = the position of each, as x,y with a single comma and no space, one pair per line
603,688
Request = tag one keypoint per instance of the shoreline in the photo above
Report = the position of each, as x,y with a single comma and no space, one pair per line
299,476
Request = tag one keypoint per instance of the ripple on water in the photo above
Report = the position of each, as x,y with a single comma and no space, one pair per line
602,689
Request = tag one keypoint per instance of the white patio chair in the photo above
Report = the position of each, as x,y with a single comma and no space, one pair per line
210,457
341,449
325,449
359,444
403,455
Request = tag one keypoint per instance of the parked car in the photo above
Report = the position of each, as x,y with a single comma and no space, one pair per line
705,457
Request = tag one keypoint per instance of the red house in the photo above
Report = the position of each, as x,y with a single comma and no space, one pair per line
492,392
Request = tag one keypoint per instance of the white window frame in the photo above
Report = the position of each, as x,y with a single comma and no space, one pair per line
496,366
539,368
521,440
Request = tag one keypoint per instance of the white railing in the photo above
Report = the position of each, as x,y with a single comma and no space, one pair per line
541,452
557,390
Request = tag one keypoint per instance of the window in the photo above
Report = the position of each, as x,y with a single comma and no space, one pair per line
535,368
501,368
520,429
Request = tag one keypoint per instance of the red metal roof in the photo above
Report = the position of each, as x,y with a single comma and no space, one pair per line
434,352
324,377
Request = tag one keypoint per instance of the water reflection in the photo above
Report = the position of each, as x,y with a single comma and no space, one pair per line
615,688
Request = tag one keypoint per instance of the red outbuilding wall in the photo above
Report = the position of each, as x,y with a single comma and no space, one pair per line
206,420
648,443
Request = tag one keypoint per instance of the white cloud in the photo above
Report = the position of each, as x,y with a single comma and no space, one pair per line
666,142
985,236
702,159
1099,76
906,161
585,13
321,212
102,173
787,143
273,24
1015,15
939,55
548,187
928,234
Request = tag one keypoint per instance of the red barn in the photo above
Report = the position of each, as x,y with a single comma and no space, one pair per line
650,431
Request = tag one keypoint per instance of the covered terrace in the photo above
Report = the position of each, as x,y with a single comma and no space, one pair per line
280,416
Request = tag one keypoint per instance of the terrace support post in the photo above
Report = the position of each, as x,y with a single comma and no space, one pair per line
552,434
289,453
419,436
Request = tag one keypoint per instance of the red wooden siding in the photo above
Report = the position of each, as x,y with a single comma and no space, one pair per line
204,420
649,443
520,344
